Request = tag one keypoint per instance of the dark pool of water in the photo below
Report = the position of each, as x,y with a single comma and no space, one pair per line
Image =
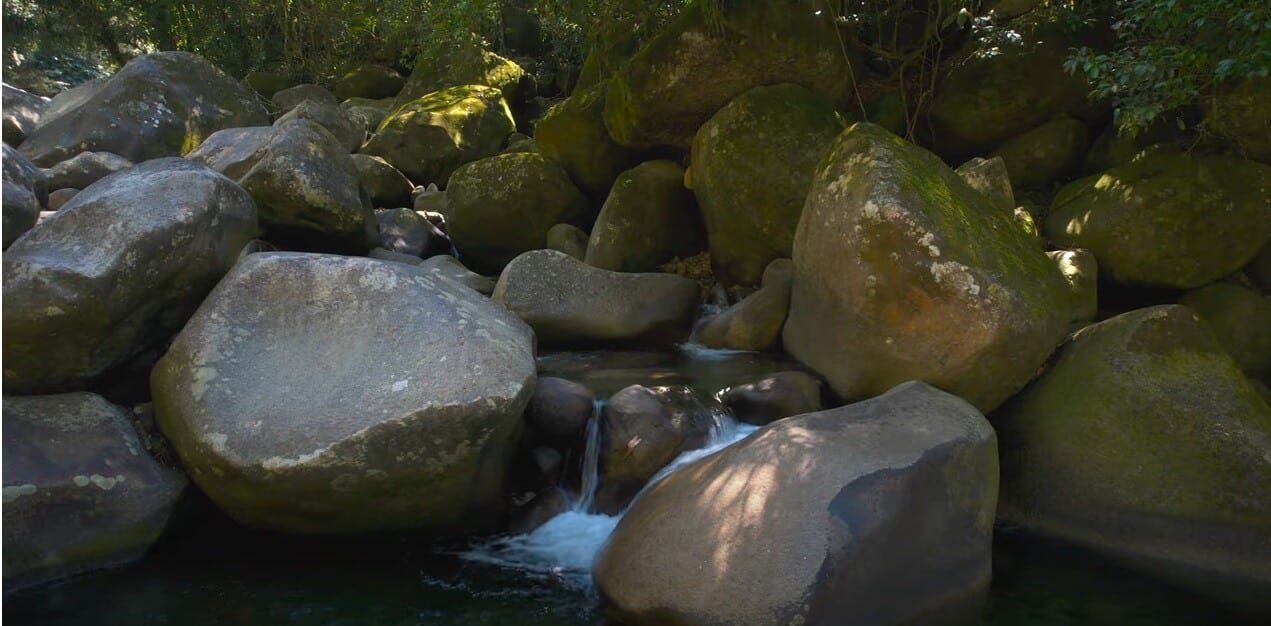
217,575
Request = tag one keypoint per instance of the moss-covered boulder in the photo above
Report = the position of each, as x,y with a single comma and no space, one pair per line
117,271
714,52
1001,88
439,68
1144,441
880,512
387,187
648,219
604,58
752,164
367,113
1242,117
569,239
428,137
502,206
331,117
323,394
904,272
80,491
1047,153
1241,320
369,81
161,104
573,133
1172,220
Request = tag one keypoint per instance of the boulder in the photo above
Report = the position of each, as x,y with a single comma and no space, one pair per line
369,81
386,186
1239,115
306,187
233,151
904,272
80,491
880,512
752,164
367,113
22,111
160,104
429,137
569,239
1259,269
504,205
773,397
755,323
84,169
708,56
1169,220
1241,320
644,429
25,193
568,301
59,198
1047,153
439,68
268,83
80,298
331,117
1081,270
449,268
404,231
287,99
648,219
573,133
1163,458
1000,89
294,410
990,177
559,411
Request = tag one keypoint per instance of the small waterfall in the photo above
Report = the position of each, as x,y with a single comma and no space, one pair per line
591,462
564,547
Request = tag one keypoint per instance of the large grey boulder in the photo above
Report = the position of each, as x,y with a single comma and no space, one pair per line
306,186
880,512
330,116
387,187
25,193
1144,441
84,169
117,270
404,231
568,301
22,111
328,394
648,219
80,491
904,272
160,104
573,134
291,97
233,151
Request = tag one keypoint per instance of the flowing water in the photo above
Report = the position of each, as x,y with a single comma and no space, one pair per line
213,573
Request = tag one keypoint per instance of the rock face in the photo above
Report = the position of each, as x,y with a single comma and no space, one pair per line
428,137
80,491
879,512
567,301
84,169
1170,220
387,187
22,111
405,429
648,219
1241,320
331,117
1163,458
1046,153
755,323
752,164
306,186
573,133
158,105
774,397
903,272
502,206
233,151
25,191
175,228
989,96
699,63
438,69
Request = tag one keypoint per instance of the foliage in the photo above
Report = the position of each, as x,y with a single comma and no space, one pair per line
1171,53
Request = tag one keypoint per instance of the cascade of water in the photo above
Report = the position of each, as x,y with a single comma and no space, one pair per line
564,547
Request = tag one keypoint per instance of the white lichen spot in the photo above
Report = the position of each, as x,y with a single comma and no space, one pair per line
956,276
217,441
81,481
53,310
13,492
401,385
105,483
